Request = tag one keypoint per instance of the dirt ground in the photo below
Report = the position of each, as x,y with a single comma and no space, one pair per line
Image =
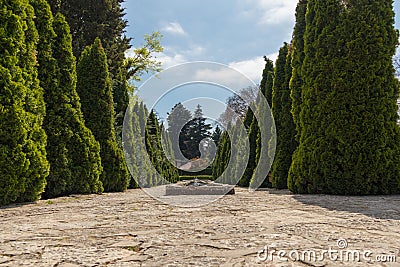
245,229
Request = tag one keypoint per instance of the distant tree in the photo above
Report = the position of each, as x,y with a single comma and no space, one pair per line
177,120
156,153
216,135
197,130
23,164
281,110
94,88
223,155
238,104
267,80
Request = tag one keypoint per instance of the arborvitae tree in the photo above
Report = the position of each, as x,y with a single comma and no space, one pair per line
216,135
267,80
94,89
285,128
296,82
349,141
156,153
135,148
252,162
223,155
23,164
73,152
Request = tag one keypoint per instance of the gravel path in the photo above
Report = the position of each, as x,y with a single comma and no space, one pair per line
132,229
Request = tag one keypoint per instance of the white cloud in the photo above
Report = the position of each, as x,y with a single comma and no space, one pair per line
174,56
253,68
271,12
169,60
173,28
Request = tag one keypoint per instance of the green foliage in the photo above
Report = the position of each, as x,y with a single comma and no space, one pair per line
23,164
349,140
296,81
154,134
193,133
223,155
94,89
285,128
253,133
177,119
216,135
72,150
267,80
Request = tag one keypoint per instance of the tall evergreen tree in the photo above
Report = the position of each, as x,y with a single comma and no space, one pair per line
94,89
156,153
23,164
296,82
197,130
216,135
177,119
349,142
267,80
73,153
281,110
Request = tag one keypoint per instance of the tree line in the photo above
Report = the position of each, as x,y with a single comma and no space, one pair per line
64,92
333,96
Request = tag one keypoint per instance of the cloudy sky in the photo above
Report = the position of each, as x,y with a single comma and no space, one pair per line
237,33
233,32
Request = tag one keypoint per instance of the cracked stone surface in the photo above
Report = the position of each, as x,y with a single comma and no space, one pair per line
133,229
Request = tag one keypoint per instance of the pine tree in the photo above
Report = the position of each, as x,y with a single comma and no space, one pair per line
281,110
195,131
177,119
23,164
94,89
349,142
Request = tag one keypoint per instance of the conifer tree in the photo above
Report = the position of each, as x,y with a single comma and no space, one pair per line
73,152
281,110
298,55
94,89
252,162
267,80
177,119
349,142
23,164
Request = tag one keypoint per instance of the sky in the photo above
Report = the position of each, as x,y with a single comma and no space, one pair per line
237,33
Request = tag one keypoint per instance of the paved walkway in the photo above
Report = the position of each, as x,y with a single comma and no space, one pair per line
132,229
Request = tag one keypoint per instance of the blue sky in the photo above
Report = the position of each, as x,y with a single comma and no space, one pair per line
237,33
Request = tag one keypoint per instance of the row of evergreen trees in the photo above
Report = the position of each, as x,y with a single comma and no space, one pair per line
333,96
59,126
145,141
